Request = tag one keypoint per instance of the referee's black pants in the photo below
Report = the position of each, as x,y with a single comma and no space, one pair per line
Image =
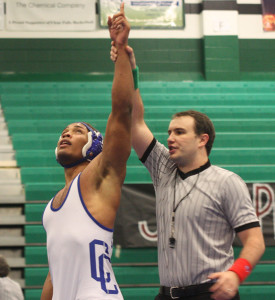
204,296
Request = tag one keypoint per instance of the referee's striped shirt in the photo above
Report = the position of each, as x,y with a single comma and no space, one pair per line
205,221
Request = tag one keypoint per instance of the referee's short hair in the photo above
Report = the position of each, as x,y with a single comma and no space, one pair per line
202,125
4,267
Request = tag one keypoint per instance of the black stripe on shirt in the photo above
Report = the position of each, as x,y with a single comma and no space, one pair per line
194,172
247,226
148,150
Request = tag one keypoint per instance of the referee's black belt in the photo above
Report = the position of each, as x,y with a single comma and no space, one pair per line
188,291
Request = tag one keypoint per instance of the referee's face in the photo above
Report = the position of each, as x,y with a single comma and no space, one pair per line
183,143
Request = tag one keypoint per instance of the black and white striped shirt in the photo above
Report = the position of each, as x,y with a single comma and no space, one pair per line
218,206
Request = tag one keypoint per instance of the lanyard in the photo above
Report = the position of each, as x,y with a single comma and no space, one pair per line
172,240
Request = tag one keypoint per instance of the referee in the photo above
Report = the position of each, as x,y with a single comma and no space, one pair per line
199,207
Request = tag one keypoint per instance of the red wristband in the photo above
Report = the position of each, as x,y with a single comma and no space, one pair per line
242,268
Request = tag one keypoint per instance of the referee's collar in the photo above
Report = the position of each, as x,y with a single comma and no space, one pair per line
195,171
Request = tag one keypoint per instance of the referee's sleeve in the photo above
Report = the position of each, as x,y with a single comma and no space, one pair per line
247,226
238,205
148,150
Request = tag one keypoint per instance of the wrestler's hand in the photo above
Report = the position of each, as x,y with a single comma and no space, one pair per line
119,28
226,285
129,50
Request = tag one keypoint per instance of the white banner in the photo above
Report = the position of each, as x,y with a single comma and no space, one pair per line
145,13
50,15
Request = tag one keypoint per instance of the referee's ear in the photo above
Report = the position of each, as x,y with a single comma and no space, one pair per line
204,138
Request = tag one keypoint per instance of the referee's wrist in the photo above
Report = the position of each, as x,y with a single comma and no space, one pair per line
242,268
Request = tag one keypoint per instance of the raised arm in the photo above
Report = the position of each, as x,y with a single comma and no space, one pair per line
141,134
111,167
117,142
103,177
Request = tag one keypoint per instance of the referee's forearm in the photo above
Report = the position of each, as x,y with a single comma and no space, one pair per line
253,245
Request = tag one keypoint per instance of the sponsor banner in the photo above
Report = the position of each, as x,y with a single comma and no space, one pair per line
268,8
145,13
136,220
50,15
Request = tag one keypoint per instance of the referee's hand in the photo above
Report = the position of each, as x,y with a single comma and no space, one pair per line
226,285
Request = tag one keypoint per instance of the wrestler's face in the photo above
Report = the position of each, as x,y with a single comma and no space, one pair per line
183,142
71,142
